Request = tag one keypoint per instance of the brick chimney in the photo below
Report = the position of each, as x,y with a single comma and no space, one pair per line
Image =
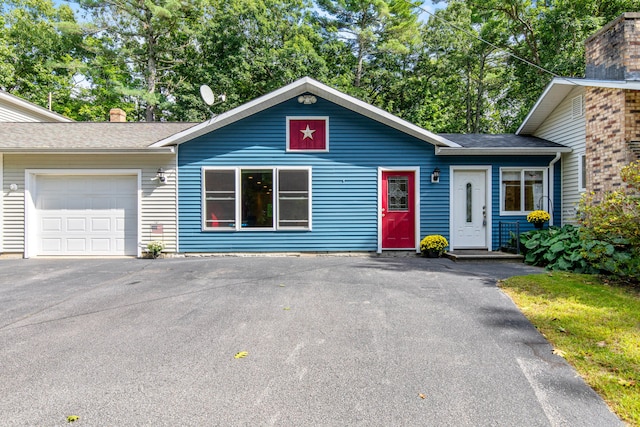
613,53
612,115
117,115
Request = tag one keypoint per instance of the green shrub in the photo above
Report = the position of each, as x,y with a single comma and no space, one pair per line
557,249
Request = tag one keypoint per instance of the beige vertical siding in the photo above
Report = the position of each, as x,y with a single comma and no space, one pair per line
158,201
562,128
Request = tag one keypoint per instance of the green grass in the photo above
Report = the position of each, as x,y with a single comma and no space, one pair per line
595,326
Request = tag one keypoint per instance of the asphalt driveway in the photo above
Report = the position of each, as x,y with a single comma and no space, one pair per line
330,341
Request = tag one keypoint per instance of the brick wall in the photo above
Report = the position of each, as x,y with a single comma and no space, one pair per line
605,144
612,115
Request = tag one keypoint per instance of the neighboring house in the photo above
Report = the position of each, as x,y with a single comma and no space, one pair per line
86,188
597,117
14,109
308,168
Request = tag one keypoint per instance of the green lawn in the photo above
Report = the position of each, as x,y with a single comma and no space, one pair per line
594,326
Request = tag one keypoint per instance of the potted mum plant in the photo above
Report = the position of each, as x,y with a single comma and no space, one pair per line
538,218
155,248
433,246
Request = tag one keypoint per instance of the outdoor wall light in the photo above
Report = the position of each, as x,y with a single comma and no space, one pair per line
307,99
160,175
13,187
435,175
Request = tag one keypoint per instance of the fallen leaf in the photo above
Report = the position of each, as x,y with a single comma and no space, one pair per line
421,396
626,383
559,352
282,285
561,329
72,418
241,354
287,308
601,343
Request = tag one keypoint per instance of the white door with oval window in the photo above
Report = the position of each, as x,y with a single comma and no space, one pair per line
469,210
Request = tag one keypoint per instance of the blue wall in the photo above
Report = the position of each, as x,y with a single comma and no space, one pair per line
344,180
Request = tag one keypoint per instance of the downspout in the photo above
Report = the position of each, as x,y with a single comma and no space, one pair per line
551,178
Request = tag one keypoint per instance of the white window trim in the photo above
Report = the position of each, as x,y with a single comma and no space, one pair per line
545,188
581,173
238,199
326,133
30,211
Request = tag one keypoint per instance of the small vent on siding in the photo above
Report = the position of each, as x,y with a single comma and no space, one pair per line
635,148
577,107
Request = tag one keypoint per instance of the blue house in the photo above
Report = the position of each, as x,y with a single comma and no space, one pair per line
310,169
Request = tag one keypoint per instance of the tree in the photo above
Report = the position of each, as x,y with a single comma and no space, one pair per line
38,56
152,36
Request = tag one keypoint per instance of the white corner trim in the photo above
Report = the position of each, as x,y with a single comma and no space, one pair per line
2,191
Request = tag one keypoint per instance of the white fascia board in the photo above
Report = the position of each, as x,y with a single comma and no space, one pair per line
166,150
299,87
36,109
479,151
555,93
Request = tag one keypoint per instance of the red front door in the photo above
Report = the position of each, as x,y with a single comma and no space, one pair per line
398,210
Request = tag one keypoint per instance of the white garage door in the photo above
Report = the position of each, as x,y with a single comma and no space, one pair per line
87,215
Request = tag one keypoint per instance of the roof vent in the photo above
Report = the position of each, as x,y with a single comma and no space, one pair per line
117,115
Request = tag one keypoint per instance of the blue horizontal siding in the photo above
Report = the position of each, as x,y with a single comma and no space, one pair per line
344,180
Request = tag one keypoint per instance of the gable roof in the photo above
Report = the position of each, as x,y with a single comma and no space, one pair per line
299,87
15,109
555,93
86,137
499,144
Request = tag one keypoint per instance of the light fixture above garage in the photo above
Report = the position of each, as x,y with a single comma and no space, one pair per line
160,175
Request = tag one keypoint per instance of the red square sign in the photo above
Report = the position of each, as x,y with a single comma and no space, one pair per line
307,134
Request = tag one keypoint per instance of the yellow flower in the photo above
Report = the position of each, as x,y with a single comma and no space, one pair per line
434,242
538,216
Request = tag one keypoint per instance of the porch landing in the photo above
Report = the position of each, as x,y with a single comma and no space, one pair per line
479,254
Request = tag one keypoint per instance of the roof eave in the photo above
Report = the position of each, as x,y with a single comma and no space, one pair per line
495,151
162,150
33,108
299,87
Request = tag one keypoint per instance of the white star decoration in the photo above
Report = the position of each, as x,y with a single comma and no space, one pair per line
307,133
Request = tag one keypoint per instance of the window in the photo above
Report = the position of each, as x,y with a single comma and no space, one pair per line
244,198
582,172
522,190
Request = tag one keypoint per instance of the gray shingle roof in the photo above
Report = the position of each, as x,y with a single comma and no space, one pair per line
85,136
507,140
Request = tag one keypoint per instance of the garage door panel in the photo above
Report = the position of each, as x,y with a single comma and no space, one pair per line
87,215
101,225
51,224
76,224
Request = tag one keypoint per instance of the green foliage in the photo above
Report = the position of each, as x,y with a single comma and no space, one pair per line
616,220
559,249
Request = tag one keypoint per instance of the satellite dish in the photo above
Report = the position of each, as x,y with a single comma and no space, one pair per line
207,95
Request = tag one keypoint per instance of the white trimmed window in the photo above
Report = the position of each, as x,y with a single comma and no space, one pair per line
264,198
522,190
582,172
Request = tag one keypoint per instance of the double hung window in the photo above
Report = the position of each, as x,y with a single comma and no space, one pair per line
271,198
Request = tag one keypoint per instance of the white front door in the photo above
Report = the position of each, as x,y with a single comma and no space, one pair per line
469,213
86,215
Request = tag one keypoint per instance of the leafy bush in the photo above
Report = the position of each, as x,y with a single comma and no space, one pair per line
615,219
558,249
